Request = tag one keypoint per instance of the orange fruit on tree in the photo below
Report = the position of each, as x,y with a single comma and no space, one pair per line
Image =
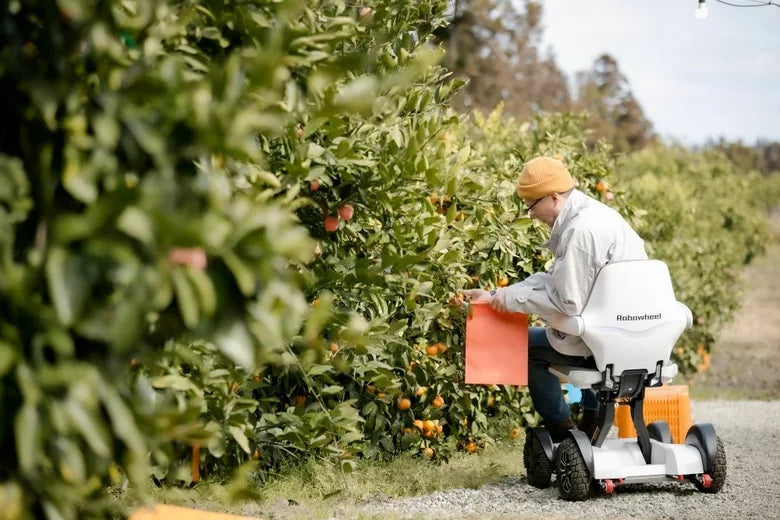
234,387
418,424
441,347
428,425
601,187
300,400
428,452
502,282
432,350
334,347
346,212
404,404
381,395
439,428
255,455
437,402
331,223
515,433
421,391
471,447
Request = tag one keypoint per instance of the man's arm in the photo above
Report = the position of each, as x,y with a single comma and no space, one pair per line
531,296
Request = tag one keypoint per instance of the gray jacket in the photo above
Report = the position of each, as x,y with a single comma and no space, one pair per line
586,236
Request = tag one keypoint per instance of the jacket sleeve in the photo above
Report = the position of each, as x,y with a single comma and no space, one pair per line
531,296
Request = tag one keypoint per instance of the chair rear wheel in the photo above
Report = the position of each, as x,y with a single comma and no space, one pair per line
659,430
538,468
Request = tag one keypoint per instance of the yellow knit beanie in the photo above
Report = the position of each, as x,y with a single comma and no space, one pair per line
543,176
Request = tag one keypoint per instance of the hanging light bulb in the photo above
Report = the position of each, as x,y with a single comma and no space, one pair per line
701,10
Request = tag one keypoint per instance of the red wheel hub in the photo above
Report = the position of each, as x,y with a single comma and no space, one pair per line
706,480
609,486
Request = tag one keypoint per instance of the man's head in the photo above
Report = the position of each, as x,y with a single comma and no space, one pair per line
544,185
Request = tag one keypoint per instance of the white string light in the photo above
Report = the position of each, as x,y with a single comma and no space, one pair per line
702,12
754,3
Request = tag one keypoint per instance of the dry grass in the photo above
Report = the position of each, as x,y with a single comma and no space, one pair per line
321,490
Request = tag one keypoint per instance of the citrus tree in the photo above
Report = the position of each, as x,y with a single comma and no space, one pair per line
706,220
237,224
127,221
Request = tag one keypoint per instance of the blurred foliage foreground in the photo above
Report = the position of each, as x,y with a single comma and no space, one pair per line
236,224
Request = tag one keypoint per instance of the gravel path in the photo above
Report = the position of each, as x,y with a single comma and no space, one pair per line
750,431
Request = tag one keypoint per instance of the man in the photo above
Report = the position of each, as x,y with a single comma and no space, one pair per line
585,235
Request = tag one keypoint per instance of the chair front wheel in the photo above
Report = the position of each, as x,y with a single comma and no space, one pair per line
574,481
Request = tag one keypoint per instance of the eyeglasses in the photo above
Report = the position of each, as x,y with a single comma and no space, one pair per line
531,207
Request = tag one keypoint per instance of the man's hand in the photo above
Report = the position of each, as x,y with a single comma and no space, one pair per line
473,295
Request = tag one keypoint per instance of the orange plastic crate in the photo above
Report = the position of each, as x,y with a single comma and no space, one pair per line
670,403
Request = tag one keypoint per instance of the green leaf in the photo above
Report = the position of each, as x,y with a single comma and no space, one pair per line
124,427
185,296
205,289
137,224
8,357
91,430
317,370
244,276
106,130
76,177
67,285
240,437
234,340
176,382
216,446
358,95
318,441
27,435
332,390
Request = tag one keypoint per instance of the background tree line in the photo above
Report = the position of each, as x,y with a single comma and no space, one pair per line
497,46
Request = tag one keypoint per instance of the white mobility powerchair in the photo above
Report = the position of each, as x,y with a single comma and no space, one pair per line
630,323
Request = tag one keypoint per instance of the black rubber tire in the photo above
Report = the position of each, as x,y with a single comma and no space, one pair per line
718,471
538,468
574,482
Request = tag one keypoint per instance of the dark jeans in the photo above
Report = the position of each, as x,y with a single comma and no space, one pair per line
545,387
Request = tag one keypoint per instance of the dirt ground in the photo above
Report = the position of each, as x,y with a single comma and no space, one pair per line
746,358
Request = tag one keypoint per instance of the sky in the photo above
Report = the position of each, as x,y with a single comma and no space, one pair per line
695,79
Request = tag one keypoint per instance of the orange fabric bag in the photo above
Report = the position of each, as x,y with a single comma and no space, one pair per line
496,346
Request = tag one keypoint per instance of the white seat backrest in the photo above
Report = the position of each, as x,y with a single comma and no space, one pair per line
632,318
